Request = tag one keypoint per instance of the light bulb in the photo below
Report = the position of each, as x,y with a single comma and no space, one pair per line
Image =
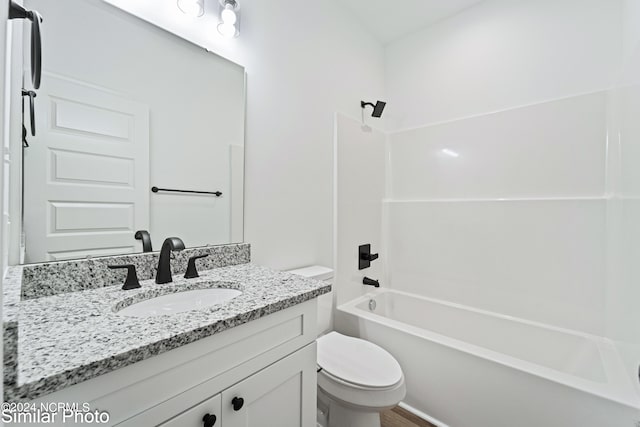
193,8
227,30
228,15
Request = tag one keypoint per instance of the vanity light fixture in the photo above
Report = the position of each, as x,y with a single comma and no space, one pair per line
228,25
193,8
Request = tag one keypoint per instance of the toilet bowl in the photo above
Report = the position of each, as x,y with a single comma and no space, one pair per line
357,379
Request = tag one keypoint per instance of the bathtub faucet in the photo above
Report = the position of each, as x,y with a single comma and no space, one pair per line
370,282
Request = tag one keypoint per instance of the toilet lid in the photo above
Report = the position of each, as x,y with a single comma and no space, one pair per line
357,361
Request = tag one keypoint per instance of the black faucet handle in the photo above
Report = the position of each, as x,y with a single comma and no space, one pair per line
131,282
370,257
192,271
365,256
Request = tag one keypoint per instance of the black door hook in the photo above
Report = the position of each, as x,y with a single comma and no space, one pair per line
32,110
18,12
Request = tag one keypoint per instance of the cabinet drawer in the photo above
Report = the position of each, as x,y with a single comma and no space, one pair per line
194,417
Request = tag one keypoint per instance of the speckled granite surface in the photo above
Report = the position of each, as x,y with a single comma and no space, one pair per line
10,301
70,276
68,338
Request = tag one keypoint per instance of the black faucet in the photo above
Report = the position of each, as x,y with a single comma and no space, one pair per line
370,282
146,240
164,264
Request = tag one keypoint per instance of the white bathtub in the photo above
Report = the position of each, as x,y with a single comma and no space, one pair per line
471,368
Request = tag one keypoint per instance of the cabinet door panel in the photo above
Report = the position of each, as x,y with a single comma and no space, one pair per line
194,416
282,394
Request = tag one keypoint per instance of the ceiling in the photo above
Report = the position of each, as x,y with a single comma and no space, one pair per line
390,20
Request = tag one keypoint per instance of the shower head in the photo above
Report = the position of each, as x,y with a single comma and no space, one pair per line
377,108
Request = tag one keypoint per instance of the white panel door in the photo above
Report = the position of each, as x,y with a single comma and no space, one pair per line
86,172
283,395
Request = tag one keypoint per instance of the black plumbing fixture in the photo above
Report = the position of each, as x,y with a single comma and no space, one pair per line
146,240
131,282
378,107
192,271
18,12
371,282
365,256
164,264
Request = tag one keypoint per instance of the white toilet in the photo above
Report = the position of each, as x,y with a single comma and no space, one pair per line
357,379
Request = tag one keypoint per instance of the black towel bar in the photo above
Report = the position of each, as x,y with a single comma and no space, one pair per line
215,193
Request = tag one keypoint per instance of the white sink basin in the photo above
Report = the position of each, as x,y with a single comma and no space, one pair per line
180,302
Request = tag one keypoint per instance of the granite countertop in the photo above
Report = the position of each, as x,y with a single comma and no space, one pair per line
68,338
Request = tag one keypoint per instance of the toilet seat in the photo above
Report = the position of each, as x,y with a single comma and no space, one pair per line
359,373
357,362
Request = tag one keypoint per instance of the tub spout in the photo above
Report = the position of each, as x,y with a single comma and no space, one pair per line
371,282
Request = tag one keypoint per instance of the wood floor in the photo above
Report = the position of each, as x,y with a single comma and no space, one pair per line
398,417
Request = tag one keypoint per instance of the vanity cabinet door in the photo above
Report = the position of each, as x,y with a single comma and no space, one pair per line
205,414
283,394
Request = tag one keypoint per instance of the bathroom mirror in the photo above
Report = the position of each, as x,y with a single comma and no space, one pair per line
125,107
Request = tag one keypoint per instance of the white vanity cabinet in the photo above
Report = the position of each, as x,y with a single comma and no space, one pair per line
282,395
205,414
269,363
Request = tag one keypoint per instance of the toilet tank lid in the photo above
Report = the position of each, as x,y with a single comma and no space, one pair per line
317,272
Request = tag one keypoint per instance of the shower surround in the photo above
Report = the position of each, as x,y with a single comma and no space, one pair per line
511,188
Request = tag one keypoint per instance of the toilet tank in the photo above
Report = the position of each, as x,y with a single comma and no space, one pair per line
325,302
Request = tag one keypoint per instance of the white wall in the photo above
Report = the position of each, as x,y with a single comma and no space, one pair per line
630,30
4,107
623,291
505,212
552,149
499,161
360,185
500,54
305,60
9,94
